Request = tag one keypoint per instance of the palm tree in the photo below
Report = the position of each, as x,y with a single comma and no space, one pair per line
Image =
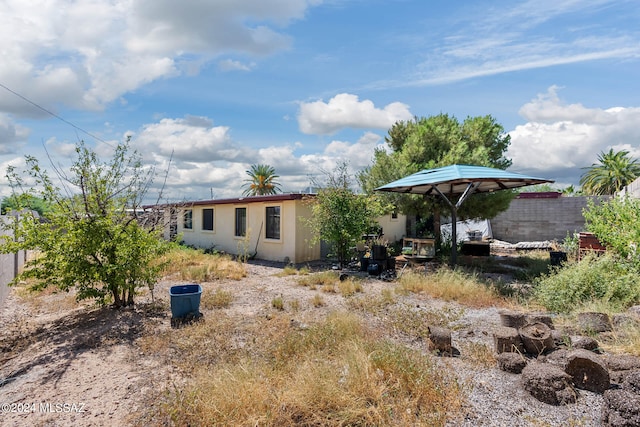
262,181
614,171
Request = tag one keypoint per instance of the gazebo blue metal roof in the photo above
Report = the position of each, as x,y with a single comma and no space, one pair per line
462,181
455,179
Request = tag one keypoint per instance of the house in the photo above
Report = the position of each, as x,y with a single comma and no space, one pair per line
268,227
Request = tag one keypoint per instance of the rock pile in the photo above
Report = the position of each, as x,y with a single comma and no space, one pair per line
554,366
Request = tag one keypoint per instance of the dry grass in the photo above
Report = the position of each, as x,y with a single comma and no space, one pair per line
278,303
47,300
216,299
336,373
452,285
318,301
195,265
350,286
625,340
478,354
322,279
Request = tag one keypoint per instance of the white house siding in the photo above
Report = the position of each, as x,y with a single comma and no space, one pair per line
393,229
294,242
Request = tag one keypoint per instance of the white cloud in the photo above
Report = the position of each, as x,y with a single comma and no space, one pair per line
488,40
192,138
231,65
88,54
559,139
346,110
12,135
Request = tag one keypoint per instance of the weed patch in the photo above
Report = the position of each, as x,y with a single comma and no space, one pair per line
336,373
452,285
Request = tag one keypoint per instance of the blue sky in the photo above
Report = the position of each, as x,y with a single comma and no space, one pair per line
218,85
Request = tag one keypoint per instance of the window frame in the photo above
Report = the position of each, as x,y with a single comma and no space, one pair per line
205,219
268,232
187,219
244,226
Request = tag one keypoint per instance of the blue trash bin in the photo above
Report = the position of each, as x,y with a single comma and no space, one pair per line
185,300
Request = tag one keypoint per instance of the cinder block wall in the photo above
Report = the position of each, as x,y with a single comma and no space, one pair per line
538,219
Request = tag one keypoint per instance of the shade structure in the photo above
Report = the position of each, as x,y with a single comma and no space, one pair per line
460,181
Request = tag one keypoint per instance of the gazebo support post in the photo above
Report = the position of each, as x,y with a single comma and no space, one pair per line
454,217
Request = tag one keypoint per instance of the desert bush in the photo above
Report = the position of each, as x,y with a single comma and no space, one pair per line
606,279
452,285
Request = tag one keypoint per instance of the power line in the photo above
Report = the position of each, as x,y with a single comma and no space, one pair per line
54,114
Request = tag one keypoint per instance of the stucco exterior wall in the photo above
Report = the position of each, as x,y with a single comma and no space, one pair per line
537,219
293,245
393,229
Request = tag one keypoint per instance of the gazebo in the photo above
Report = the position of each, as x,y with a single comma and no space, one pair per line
459,181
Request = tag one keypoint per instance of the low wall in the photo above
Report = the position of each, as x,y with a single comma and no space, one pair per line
541,218
10,264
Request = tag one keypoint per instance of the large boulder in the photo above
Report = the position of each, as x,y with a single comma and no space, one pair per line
536,338
587,371
506,339
621,408
548,383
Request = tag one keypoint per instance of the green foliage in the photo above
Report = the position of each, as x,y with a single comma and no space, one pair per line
605,279
91,240
616,223
436,141
261,181
613,172
340,216
17,202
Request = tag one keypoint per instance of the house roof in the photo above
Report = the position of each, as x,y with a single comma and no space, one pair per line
240,200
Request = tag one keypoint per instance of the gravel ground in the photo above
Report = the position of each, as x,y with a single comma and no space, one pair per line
68,355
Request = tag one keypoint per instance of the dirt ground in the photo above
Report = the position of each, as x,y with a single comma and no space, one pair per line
66,364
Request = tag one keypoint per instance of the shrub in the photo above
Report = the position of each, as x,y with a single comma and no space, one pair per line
606,279
617,224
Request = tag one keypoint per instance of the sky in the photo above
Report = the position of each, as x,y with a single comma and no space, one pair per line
205,89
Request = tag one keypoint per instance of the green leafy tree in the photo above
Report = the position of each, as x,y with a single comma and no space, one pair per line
91,239
613,172
340,216
261,181
25,201
441,140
